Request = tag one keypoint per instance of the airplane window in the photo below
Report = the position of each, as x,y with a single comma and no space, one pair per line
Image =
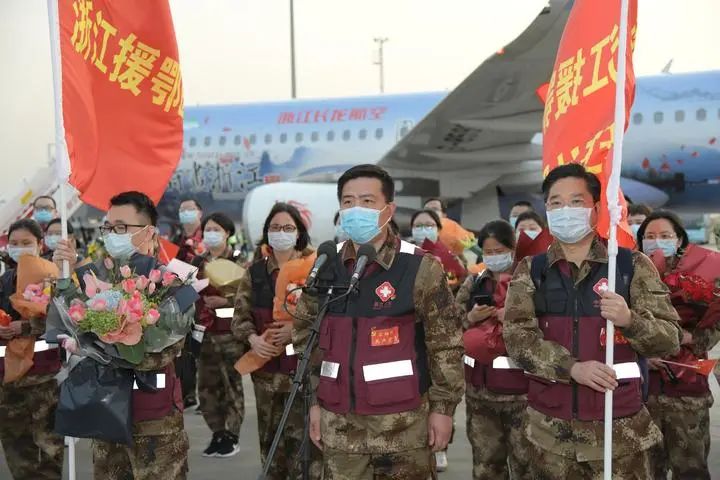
658,117
379,133
680,115
346,135
253,139
330,135
268,138
207,141
193,141
283,137
701,115
222,140
298,137
362,134
237,140
315,137
637,118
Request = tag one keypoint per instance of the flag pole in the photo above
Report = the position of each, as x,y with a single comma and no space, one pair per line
62,166
613,191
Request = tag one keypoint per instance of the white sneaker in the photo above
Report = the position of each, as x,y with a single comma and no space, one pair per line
441,461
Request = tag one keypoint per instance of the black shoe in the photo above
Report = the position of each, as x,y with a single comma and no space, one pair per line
190,403
212,449
228,445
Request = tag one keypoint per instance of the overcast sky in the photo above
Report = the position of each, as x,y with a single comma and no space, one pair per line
238,51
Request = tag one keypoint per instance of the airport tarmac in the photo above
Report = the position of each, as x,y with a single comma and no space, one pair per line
246,464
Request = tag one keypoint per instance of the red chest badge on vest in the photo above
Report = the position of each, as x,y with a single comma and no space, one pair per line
601,287
385,292
383,337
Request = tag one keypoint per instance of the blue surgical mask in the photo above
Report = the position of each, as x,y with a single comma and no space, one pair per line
513,221
17,252
361,224
188,216
119,246
668,246
498,263
635,228
51,241
533,234
340,234
282,241
421,233
570,224
42,216
213,239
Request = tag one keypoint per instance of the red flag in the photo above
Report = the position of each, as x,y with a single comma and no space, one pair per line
580,106
168,251
122,100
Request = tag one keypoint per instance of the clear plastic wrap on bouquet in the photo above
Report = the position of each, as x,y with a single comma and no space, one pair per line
171,328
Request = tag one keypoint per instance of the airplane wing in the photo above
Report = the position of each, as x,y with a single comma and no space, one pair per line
493,115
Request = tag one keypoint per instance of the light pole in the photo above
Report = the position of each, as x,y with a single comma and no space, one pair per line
381,61
293,82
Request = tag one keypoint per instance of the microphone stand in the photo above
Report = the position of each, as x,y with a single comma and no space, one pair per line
301,380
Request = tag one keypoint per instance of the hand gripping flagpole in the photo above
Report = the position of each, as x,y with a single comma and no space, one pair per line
62,164
613,192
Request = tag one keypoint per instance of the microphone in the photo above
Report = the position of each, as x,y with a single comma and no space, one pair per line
366,254
327,251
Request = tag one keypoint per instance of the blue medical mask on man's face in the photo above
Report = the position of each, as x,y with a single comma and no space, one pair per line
635,228
188,217
361,224
340,234
120,246
513,221
42,216
570,224
668,246
213,239
51,241
17,252
421,233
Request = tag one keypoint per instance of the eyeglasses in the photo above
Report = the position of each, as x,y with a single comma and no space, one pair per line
424,225
274,227
119,229
556,204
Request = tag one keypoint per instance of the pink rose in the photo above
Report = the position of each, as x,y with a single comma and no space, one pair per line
98,305
125,271
168,278
141,282
152,316
151,288
128,285
155,276
109,263
76,311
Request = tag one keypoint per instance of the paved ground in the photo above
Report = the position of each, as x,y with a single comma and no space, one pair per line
246,465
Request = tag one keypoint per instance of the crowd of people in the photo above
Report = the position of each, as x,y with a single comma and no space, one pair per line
519,333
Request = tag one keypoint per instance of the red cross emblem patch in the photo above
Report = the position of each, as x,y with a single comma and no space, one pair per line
601,287
385,292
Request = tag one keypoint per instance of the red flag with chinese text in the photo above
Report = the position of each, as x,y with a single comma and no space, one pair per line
122,101
579,113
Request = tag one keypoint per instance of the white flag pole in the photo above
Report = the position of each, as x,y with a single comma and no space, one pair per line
62,165
613,191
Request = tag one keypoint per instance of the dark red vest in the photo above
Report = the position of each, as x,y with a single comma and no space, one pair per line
263,293
497,380
147,405
206,316
374,359
570,317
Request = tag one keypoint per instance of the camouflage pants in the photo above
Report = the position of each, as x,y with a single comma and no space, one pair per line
497,439
150,457
685,425
545,465
287,463
411,465
220,386
27,416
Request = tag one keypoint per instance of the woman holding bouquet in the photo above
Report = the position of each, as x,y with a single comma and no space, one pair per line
679,397
219,384
27,403
496,397
285,239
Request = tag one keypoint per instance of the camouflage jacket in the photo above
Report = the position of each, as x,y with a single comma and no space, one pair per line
654,331
434,306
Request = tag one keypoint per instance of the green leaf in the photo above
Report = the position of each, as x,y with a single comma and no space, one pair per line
132,353
155,338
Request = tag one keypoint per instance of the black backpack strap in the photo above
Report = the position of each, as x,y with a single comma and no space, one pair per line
625,267
537,269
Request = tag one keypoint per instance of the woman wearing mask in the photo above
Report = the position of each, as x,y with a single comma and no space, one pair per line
426,227
496,397
679,398
219,386
53,234
285,237
531,223
27,405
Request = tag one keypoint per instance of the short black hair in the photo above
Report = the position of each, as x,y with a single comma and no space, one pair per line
674,221
531,215
303,240
142,203
190,199
639,209
221,219
500,230
368,171
336,217
433,214
47,197
27,224
572,170
443,204
70,228
523,203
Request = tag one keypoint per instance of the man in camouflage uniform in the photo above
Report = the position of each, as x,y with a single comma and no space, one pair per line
560,342
384,423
